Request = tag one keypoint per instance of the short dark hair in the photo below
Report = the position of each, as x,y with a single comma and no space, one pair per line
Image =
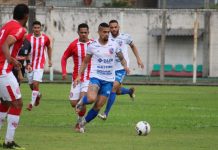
83,25
104,25
113,21
20,11
36,23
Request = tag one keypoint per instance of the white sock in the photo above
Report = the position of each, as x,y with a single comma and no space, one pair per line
13,121
2,118
34,96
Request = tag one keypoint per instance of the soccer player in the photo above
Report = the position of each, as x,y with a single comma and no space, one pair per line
77,50
102,52
39,43
12,35
123,40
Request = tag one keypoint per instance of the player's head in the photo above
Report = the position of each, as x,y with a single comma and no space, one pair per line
83,32
21,13
36,28
114,27
103,31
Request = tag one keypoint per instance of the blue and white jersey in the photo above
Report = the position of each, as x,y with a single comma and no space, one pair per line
103,59
123,40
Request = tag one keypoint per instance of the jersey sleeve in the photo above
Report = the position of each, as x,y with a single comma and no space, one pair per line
48,42
89,49
68,53
18,33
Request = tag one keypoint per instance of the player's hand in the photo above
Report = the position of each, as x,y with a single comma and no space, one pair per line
15,63
64,77
127,70
49,63
29,68
76,81
140,64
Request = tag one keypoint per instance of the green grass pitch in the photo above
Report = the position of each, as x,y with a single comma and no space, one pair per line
181,118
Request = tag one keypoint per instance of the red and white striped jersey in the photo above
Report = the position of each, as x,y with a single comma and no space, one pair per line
14,29
38,49
76,50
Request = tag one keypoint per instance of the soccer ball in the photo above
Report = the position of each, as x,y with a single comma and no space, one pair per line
143,128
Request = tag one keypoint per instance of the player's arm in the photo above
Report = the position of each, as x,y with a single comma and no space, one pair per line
10,40
49,51
136,53
123,61
84,64
64,58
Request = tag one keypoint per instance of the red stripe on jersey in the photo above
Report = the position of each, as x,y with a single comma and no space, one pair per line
89,69
83,53
10,91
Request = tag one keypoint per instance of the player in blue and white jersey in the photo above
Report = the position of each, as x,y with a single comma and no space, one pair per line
124,40
102,53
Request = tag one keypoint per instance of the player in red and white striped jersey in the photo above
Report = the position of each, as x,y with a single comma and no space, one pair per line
12,35
39,44
77,50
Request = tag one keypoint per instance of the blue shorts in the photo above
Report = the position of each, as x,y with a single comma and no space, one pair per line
119,75
105,87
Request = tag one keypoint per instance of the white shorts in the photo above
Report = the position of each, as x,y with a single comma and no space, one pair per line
35,75
75,92
9,87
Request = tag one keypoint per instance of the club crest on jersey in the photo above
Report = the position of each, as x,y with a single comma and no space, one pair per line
100,60
111,50
120,43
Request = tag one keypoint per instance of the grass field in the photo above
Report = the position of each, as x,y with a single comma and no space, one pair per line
181,118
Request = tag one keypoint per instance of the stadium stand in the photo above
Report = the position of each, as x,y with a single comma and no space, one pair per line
176,71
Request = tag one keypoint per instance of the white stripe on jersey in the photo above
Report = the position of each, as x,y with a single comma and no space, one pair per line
31,42
6,61
86,71
79,54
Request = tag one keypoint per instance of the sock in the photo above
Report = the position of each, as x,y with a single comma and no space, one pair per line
3,113
34,96
82,112
13,121
124,91
91,115
2,118
85,100
110,102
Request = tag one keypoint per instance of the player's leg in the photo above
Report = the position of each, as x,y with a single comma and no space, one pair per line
10,91
104,93
4,106
36,95
119,76
123,91
75,95
91,96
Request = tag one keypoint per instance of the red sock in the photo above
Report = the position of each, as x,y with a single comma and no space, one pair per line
82,112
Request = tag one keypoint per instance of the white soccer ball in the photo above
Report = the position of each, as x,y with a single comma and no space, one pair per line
143,128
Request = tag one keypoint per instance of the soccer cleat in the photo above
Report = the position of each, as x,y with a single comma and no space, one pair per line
12,145
82,126
132,93
38,98
29,107
102,116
